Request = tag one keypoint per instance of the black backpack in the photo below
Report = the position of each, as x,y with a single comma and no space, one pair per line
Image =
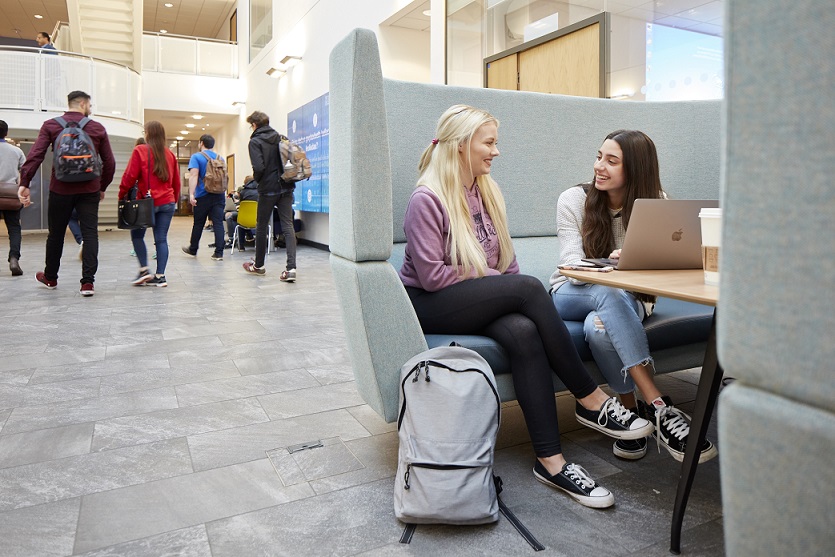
74,156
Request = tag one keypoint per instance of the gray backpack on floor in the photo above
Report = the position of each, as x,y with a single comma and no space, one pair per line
448,422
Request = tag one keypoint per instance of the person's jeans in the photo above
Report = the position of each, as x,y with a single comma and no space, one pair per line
266,202
285,214
612,323
75,227
162,222
208,206
12,219
58,215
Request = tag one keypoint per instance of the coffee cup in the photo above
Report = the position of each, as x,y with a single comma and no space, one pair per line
711,220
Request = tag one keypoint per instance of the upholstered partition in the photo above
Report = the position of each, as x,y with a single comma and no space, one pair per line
777,292
379,128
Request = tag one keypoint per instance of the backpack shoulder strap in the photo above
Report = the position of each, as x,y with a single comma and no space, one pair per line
83,122
208,158
61,121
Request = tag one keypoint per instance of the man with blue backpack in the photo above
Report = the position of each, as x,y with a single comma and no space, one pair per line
82,168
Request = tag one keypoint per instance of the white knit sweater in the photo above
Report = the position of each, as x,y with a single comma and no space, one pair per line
570,211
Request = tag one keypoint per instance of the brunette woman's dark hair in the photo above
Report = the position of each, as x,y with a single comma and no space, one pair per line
155,138
641,180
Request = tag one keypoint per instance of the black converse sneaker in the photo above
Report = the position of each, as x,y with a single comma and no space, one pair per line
672,428
614,420
631,449
575,481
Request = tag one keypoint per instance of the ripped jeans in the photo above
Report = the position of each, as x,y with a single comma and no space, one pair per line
612,323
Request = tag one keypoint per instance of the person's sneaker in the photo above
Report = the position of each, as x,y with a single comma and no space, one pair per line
672,428
577,483
630,449
143,277
87,289
14,267
157,281
216,257
250,267
187,251
51,284
288,276
132,253
211,245
614,420
154,256
228,244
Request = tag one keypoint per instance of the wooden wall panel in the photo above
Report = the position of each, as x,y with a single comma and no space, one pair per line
568,65
503,73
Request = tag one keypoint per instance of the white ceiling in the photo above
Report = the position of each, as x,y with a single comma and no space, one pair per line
174,122
197,18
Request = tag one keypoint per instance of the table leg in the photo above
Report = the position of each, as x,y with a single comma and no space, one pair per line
711,378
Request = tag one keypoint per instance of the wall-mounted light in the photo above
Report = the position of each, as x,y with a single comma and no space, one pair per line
621,95
275,73
291,61
239,103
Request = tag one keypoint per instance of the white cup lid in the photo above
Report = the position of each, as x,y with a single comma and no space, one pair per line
710,212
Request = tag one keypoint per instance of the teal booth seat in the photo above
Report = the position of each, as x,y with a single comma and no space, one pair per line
379,128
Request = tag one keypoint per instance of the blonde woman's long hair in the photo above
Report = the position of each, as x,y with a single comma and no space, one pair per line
440,171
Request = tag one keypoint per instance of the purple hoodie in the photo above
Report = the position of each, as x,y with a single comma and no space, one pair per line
427,264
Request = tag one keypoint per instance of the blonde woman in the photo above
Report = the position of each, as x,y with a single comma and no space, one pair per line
461,274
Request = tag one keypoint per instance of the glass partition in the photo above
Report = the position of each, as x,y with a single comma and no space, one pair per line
260,26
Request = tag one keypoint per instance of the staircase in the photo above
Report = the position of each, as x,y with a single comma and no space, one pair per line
107,29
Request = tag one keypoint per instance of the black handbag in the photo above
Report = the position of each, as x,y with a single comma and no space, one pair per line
137,213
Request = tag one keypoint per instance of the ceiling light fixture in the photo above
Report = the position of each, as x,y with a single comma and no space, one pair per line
189,125
197,116
168,5
163,31
179,138
184,132
290,61
275,73
38,16
427,13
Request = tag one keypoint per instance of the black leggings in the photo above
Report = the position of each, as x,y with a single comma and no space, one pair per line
516,312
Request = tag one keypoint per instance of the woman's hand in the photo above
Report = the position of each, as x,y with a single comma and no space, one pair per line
615,254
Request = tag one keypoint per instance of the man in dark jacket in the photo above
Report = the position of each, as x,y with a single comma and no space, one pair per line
272,191
84,196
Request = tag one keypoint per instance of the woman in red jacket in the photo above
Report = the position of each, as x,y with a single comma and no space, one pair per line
153,166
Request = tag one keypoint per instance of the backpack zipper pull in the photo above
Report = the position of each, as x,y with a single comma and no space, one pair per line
427,373
417,373
406,476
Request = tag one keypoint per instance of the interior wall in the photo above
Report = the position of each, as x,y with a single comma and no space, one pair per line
299,29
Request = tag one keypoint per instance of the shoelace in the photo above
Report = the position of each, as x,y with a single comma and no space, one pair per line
618,411
676,422
579,475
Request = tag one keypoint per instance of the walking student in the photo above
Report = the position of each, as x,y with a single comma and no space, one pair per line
72,192
11,161
154,168
461,274
206,205
272,192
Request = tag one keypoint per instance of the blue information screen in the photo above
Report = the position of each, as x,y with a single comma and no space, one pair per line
309,127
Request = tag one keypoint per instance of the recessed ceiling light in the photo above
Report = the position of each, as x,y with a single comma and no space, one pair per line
168,5
184,132
189,125
179,138
38,16
197,116
427,13
163,31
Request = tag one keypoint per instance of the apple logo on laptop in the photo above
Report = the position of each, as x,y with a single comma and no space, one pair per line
677,235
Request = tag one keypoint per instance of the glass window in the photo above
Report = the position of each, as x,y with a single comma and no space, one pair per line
260,25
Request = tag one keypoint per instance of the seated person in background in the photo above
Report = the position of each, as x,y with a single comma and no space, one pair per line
247,192
591,222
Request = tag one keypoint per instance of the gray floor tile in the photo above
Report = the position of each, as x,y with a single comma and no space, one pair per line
45,444
140,350
371,420
705,540
177,422
103,368
306,401
166,377
242,387
213,329
33,395
15,377
186,542
151,508
329,374
39,531
88,410
378,456
4,415
67,357
44,482
242,444
295,359
314,461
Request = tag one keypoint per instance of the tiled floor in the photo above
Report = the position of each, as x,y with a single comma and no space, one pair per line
151,421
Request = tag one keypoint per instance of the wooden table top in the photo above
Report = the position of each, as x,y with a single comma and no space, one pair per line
687,285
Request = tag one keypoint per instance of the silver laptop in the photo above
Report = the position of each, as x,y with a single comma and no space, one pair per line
662,234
